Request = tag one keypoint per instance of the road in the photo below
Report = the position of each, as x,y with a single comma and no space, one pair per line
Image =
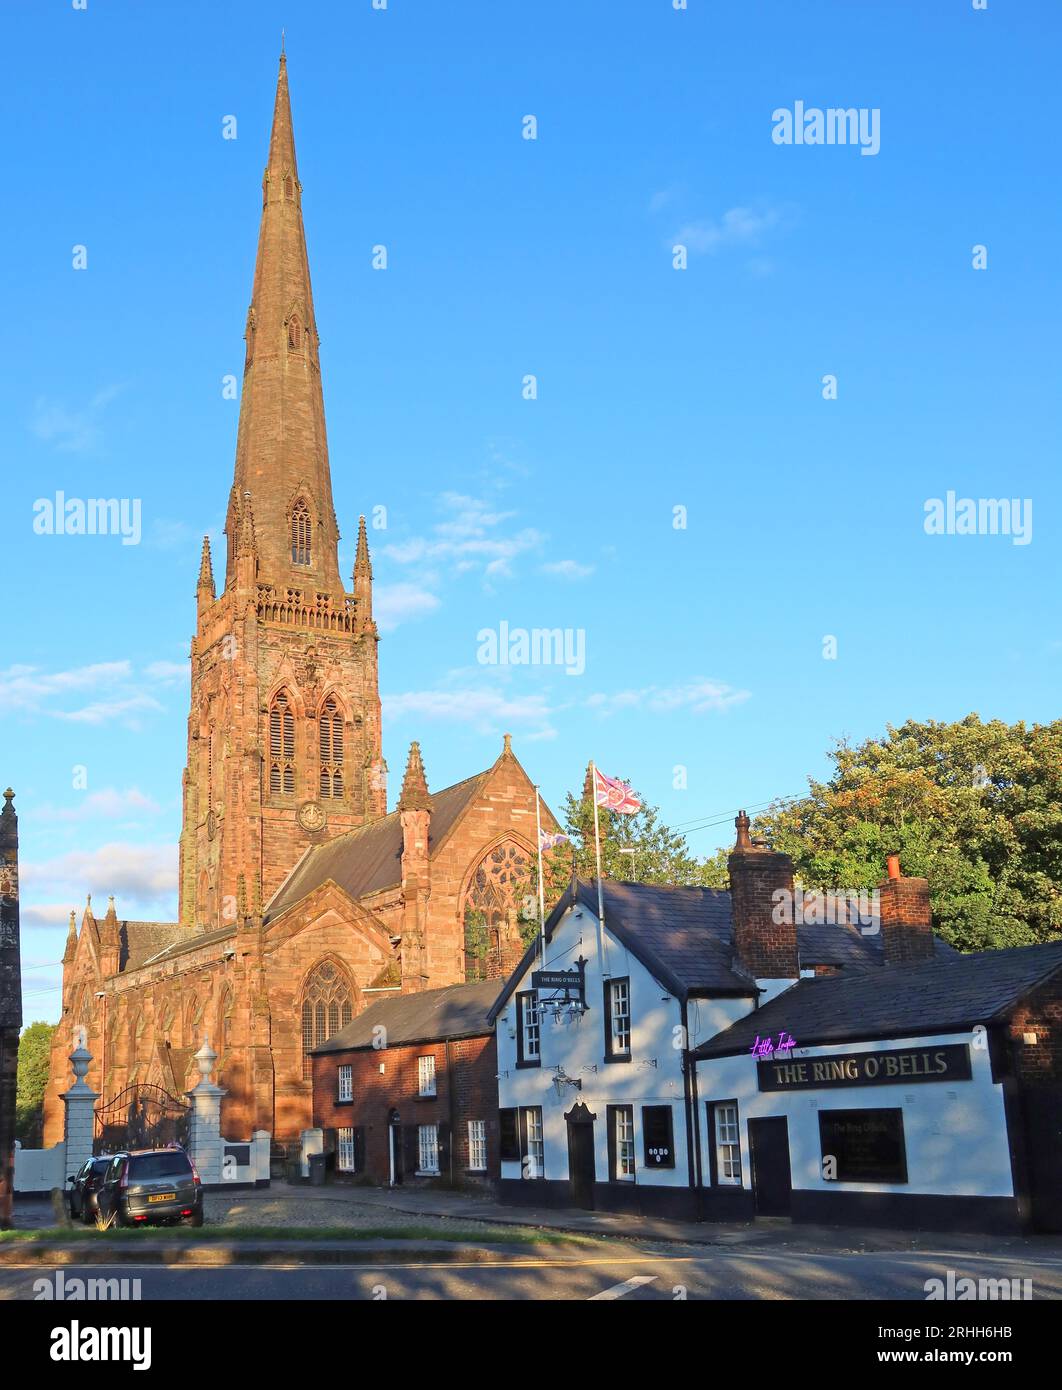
637,1274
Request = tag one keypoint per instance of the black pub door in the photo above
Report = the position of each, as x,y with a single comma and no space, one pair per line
581,1170
772,1180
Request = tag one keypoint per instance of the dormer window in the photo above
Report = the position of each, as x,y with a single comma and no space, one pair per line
300,533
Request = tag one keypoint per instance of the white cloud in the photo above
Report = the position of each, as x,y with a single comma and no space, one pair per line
486,709
398,603
45,915
109,803
698,696
106,711
467,538
568,569
145,873
736,227
120,693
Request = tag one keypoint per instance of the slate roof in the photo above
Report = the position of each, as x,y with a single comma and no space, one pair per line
139,941
190,940
458,1011
940,996
369,858
681,935
684,937
846,946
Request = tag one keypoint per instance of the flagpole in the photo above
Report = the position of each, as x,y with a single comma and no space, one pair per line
600,889
541,886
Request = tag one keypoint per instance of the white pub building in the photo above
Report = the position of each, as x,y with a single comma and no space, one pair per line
687,1054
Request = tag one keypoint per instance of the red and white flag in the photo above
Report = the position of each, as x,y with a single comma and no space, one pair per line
614,795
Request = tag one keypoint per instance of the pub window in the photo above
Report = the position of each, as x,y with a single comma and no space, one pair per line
621,1143
427,1148
477,1146
533,1157
618,1020
658,1143
426,1075
345,1148
528,1030
508,1136
727,1139
867,1145
346,1083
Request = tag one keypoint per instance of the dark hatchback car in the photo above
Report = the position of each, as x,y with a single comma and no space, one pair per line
85,1187
150,1185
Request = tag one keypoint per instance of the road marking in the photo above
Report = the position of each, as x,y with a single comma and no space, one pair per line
628,1286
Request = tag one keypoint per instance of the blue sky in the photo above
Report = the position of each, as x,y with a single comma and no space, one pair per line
657,388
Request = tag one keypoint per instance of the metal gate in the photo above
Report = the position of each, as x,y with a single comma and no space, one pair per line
140,1117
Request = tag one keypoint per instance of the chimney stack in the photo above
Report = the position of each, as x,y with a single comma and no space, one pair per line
906,917
765,946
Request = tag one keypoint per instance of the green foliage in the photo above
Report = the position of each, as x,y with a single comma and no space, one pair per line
34,1047
976,808
633,848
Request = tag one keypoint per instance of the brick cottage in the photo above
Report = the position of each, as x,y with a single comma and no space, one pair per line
408,1092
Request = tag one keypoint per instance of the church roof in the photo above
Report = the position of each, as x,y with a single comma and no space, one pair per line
432,1015
369,859
139,941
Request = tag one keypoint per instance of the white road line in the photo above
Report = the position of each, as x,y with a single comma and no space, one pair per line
628,1286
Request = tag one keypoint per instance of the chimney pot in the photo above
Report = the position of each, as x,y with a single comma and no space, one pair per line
893,863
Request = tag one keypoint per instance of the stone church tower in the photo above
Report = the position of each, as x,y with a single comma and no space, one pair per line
284,728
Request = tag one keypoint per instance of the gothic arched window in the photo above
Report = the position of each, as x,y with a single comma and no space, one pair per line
327,1006
300,534
281,747
331,744
499,885
294,334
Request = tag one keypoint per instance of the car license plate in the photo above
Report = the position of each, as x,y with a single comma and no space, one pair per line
163,1197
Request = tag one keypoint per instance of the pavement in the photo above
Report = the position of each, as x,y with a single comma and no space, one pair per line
432,1211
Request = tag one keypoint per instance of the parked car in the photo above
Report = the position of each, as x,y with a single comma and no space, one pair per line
152,1185
85,1186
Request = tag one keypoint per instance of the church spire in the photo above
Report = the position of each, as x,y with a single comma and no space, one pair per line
282,448
414,795
206,570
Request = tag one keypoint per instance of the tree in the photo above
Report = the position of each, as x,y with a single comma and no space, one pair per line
974,807
636,848
34,1048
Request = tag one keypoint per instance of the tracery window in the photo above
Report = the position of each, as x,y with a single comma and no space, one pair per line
300,534
331,744
327,1007
498,888
281,746
294,333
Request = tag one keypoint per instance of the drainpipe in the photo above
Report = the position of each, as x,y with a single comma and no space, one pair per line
690,1110
451,1108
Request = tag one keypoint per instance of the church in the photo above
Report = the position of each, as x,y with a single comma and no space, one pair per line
301,899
